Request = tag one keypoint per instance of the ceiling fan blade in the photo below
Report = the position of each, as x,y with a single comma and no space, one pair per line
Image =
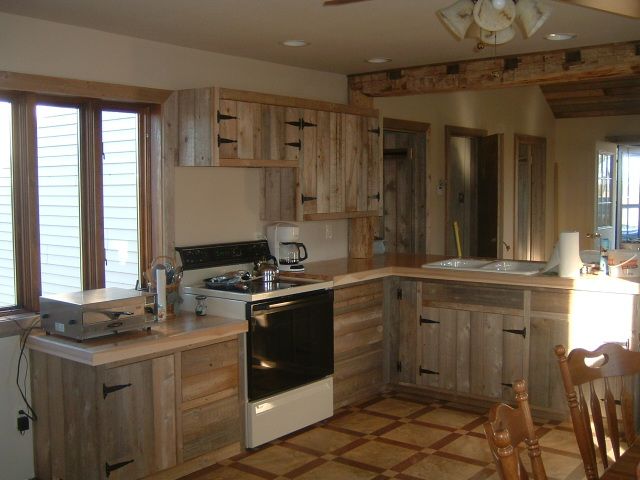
627,8
329,3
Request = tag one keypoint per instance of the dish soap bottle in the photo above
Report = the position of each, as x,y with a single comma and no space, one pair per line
604,256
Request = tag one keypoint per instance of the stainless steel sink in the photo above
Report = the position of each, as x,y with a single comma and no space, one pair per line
520,267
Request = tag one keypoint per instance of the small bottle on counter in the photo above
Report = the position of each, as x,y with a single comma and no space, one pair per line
201,305
604,256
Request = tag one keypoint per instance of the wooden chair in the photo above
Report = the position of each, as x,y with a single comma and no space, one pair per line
611,360
506,429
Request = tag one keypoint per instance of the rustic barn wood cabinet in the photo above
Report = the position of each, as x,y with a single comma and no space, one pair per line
358,342
320,160
468,340
168,415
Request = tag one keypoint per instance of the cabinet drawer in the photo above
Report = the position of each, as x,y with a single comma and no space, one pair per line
210,427
209,370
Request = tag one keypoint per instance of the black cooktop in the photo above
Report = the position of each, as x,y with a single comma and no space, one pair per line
252,287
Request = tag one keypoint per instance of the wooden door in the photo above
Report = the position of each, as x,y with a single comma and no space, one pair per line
487,213
137,419
530,193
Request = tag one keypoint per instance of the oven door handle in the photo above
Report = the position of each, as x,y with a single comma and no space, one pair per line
288,305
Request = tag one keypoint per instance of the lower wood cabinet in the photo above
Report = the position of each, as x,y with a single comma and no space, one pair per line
472,341
358,342
168,415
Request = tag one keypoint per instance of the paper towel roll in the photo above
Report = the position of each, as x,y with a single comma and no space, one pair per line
161,292
570,262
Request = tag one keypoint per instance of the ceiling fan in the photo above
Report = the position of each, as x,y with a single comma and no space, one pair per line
627,8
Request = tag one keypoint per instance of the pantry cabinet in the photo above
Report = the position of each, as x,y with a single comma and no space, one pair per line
168,415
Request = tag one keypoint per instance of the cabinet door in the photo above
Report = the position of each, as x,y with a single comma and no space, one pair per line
471,352
359,149
322,174
254,134
137,419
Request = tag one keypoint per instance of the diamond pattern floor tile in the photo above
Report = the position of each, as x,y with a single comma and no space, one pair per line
394,436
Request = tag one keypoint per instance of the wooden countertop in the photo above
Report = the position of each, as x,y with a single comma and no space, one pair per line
346,271
185,330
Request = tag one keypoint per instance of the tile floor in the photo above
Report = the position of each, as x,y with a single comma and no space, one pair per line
393,436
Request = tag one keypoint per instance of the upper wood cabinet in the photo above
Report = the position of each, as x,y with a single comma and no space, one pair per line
322,160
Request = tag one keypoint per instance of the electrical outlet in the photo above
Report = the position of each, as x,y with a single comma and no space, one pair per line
260,236
23,423
328,231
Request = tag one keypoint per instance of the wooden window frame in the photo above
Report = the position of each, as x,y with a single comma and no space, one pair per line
25,189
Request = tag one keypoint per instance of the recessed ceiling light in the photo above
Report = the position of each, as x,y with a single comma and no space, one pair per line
378,60
294,43
560,36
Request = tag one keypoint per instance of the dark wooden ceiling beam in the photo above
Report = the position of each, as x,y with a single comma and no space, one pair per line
596,62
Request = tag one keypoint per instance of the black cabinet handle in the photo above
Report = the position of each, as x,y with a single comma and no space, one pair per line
222,140
375,130
110,468
375,197
306,198
510,385
106,390
522,332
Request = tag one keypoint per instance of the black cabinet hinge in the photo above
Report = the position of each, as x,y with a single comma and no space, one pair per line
224,116
375,197
305,198
522,332
427,320
110,468
297,144
222,140
375,130
399,366
301,123
510,385
427,372
106,390
399,294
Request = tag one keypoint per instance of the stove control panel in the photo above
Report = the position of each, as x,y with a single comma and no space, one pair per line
220,254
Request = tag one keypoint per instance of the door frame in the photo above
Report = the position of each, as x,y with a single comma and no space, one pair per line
421,188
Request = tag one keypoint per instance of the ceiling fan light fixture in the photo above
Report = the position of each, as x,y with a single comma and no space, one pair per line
489,18
498,4
458,17
531,15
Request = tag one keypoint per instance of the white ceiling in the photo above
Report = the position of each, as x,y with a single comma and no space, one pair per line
341,38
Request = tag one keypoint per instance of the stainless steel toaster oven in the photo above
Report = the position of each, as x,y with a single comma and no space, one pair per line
94,313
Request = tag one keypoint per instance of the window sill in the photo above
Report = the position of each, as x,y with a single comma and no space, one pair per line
15,324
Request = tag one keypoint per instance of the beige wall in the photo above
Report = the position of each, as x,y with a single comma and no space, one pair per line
576,154
509,111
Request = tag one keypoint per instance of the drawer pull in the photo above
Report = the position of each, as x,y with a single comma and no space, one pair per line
110,468
106,390
522,332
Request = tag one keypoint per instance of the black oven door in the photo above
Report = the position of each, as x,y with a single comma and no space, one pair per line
289,343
